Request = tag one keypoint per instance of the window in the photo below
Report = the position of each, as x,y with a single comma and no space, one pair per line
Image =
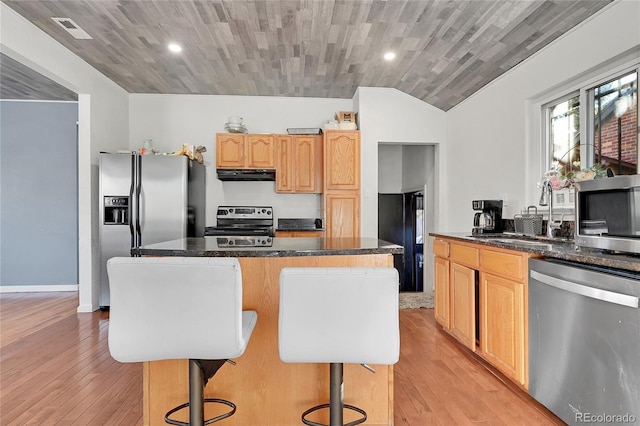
610,112
615,124
564,131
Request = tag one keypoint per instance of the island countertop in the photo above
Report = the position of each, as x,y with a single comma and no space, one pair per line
267,390
280,247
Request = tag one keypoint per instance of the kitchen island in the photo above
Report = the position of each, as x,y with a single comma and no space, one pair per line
266,390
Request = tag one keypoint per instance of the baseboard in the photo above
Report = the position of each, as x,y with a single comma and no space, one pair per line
37,288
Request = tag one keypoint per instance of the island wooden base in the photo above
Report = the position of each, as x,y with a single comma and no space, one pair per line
266,390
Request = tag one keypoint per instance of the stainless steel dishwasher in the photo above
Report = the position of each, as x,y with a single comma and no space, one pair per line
584,341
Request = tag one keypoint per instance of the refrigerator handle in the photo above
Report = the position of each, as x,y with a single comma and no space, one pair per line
132,206
138,206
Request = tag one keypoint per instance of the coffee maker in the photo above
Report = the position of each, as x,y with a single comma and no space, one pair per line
488,219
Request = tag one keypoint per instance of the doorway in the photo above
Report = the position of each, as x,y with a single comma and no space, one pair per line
407,172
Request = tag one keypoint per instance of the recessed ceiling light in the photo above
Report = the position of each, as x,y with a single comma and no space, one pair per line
389,56
175,48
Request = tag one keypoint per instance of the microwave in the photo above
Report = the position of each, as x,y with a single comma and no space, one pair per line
608,213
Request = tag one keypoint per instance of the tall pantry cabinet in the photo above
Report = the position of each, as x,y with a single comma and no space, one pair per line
341,195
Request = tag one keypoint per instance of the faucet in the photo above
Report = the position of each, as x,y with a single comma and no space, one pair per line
546,198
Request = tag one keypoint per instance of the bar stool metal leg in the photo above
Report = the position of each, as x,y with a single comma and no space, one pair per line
336,392
336,403
196,394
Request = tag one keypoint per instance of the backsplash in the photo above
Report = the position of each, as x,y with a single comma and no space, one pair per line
567,230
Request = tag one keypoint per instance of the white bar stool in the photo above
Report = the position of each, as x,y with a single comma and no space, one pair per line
336,316
179,308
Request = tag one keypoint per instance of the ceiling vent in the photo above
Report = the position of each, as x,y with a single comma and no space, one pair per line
72,28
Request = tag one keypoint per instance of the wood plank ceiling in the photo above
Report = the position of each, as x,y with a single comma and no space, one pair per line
446,50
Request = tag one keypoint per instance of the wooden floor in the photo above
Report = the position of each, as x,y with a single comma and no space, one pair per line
56,370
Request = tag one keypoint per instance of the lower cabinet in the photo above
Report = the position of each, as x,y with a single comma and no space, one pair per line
441,284
462,291
503,326
481,300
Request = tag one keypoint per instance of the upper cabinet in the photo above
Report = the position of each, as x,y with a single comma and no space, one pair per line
299,165
245,151
342,160
261,152
341,200
230,151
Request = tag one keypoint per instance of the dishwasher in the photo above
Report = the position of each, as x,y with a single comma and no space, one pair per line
584,341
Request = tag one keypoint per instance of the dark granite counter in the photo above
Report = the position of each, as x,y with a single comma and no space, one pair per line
565,250
280,247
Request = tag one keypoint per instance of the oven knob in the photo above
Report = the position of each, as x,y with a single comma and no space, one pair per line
263,242
268,240
264,211
269,212
230,210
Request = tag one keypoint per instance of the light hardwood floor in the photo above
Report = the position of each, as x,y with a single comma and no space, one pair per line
56,370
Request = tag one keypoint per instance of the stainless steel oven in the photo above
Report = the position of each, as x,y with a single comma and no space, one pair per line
243,226
608,213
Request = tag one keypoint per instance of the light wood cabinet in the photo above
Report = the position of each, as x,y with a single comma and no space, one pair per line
342,212
463,308
245,151
299,165
441,290
342,160
261,152
481,299
341,200
502,331
230,151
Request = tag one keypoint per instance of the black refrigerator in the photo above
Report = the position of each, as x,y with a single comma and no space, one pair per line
400,222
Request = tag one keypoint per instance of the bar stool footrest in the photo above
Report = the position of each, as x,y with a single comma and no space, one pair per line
346,406
206,422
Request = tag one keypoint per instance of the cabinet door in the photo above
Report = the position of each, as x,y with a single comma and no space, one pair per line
342,213
342,160
307,167
284,165
463,305
260,152
441,289
230,151
502,318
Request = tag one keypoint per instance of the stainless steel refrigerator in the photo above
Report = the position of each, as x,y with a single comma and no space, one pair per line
146,199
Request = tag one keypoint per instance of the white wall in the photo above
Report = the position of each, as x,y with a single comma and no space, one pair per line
103,125
173,120
390,116
389,169
493,137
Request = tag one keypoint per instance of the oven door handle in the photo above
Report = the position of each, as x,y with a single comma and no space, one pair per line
584,290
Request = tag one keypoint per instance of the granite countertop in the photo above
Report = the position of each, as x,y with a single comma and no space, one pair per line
565,250
280,247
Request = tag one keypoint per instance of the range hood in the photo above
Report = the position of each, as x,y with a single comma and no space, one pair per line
246,174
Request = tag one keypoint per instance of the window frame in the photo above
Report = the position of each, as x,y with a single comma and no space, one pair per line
587,133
